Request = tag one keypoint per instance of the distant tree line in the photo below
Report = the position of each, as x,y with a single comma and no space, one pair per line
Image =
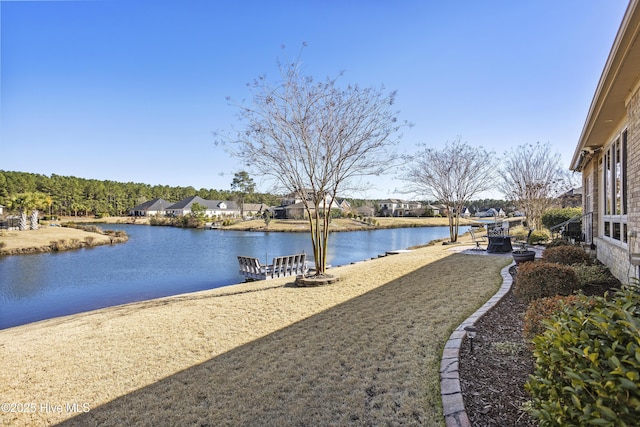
73,196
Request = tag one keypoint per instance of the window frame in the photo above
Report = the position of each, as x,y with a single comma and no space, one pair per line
614,200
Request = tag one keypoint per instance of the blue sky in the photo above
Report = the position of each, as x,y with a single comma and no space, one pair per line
131,90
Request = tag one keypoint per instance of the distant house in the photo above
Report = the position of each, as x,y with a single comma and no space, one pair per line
344,205
365,211
432,210
254,209
466,213
571,199
491,212
442,209
397,207
293,206
150,208
213,208
2,209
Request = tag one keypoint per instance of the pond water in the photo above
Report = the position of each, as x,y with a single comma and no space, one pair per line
162,261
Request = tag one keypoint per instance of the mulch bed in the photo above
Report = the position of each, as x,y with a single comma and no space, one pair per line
492,377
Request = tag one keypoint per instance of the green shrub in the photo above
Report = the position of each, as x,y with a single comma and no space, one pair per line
596,274
543,309
538,236
519,233
587,369
544,279
555,216
567,255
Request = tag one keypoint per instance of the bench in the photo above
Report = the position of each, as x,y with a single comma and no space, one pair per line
291,265
477,239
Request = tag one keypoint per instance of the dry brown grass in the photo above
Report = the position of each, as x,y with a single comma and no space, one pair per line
40,240
363,351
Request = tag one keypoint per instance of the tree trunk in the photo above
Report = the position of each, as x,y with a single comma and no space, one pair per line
34,219
451,233
23,220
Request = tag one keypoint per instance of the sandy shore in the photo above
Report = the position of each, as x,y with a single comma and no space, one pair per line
363,350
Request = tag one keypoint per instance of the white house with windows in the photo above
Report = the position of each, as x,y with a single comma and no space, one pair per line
213,208
608,155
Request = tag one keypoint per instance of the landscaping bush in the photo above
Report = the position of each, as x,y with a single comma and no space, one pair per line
544,279
567,255
587,369
520,234
543,309
538,236
596,274
555,216
557,242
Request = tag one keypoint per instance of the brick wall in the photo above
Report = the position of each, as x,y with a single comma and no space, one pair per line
617,259
615,255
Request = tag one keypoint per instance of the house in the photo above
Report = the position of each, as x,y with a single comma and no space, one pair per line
150,208
466,213
396,207
491,212
571,198
292,206
254,209
345,206
608,155
365,211
2,209
213,208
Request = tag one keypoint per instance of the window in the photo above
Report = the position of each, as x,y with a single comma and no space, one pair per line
614,185
588,202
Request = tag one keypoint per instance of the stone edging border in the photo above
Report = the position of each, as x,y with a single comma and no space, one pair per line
454,412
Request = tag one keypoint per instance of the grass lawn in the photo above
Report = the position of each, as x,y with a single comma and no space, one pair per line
363,351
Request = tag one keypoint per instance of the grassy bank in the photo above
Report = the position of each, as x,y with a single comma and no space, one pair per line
363,351
53,239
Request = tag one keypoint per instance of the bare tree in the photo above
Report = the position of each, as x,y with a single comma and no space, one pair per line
453,176
315,139
531,177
